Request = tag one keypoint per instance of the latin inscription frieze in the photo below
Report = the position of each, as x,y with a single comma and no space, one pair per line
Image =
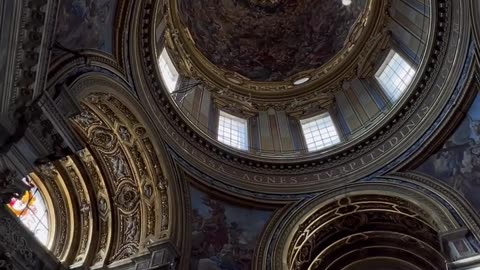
212,166
200,159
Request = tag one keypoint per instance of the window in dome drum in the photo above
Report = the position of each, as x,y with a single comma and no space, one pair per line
232,131
395,75
319,132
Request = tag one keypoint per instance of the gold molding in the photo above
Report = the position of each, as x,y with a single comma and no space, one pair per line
229,87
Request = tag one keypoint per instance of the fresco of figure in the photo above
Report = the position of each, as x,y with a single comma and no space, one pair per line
267,40
457,163
79,19
224,236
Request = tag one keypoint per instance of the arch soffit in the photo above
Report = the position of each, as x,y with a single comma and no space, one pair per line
72,211
276,240
143,156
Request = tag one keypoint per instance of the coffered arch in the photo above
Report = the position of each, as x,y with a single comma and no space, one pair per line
305,237
130,181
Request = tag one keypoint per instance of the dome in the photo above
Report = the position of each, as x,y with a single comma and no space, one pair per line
136,136
290,78
269,40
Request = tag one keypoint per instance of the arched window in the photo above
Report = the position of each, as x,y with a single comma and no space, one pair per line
168,71
32,210
395,75
232,131
319,132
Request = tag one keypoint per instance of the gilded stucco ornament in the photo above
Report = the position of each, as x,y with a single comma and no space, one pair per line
288,177
103,205
332,224
128,159
229,88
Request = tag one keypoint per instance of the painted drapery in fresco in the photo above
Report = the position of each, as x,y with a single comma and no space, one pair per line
224,236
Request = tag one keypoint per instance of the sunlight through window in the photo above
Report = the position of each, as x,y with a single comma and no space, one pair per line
232,131
32,211
319,132
168,71
395,75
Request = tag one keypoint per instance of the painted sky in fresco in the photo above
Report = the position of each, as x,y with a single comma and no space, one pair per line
224,236
86,24
457,163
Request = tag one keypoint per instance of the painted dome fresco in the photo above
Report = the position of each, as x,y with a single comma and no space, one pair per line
269,40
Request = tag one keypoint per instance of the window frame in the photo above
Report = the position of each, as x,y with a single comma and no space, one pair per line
387,92
170,69
49,213
334,140
242,145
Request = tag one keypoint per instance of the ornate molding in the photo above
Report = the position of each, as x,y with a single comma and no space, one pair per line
194,64
127,158
104,208
314,172
464,210
428,209
33,37
23,250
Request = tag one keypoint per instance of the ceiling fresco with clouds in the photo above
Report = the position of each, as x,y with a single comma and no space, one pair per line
457,163
269,40
94,19
224,236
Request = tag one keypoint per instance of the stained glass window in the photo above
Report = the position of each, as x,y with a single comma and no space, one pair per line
395,75
168,71
32,211
319,132
232,131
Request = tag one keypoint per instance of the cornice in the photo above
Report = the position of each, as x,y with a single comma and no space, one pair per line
193,63
446,210
406,122
33,34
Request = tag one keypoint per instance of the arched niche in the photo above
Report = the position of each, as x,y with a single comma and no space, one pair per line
405,215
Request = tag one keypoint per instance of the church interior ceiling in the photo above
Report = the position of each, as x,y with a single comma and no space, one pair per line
154,188
457,162
269,41
220,229
93,17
